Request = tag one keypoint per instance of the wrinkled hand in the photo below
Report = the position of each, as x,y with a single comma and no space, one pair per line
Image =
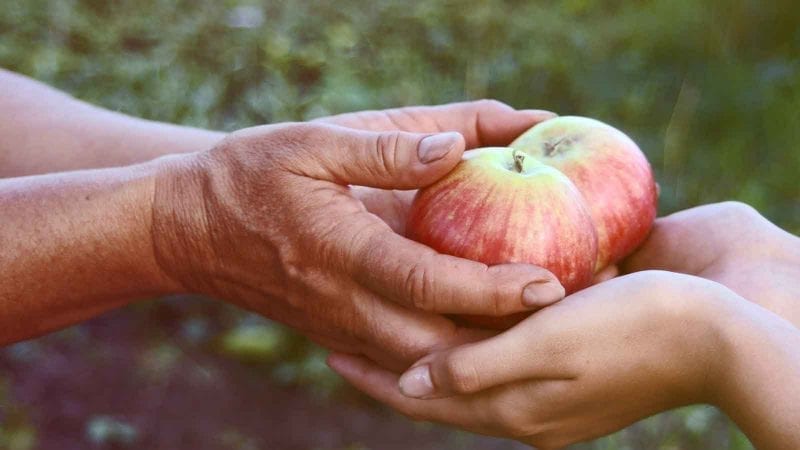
267,221
589,365
732,244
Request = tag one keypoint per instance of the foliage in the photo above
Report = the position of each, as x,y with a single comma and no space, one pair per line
710,89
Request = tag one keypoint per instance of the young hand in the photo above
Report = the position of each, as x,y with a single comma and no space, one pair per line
591,364
730,243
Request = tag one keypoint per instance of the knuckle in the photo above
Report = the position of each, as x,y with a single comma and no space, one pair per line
418,287
503,293
301,129
497,301
515,420
737,210
739,222
492,104
386,150
462,377
301,135
515,427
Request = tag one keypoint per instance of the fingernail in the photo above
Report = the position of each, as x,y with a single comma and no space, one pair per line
417,382
540,113
542,293
435,147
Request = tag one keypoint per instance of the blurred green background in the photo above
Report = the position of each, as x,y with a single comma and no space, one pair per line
709,89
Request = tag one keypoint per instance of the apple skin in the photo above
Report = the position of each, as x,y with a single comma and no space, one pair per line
611,173
488,211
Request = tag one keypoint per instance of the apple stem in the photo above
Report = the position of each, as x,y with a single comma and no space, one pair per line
551,148
519,158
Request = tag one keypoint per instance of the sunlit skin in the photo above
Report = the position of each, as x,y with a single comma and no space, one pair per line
262,218
611,173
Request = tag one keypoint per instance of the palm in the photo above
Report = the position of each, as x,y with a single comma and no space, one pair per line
390,206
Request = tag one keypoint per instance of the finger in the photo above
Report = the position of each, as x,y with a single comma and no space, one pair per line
381,385
531,350
466,369
666,247
416,276
395,336
482,122
386,160
693,240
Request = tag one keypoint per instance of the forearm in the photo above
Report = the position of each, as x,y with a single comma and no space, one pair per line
44,130
74,245
761,390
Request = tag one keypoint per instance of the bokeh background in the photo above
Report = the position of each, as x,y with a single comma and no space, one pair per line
710,89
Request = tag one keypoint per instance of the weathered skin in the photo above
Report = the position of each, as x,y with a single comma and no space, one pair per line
622,201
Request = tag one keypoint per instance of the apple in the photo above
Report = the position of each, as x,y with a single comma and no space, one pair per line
500,205
571,194
611,173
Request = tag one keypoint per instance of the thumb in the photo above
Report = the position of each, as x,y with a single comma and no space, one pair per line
386,160
471,368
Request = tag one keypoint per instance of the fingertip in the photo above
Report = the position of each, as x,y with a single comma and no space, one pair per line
416,382
438,146
540,115
344,364
533,287
505,126
541,293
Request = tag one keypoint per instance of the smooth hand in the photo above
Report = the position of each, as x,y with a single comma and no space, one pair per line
267,220
730,243
589,365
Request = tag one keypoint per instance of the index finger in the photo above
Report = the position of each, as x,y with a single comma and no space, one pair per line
415,275
395,336
482,123
380,384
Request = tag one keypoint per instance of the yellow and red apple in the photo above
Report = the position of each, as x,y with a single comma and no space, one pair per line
611,173
571,194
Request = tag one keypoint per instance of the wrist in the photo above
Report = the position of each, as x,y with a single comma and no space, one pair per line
137,198
705,336
179,224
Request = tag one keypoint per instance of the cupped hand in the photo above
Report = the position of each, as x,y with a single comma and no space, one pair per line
267,220
730,243
586,366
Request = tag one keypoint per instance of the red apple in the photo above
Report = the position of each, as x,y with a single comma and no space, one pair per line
499,206
572,195
611,173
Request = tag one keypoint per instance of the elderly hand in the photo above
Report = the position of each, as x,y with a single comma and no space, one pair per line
267,220
604,358
730,243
